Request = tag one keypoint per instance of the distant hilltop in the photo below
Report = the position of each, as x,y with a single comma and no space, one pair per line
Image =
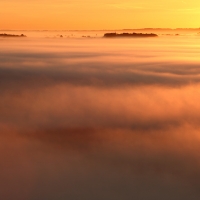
164,29
114,35
10,35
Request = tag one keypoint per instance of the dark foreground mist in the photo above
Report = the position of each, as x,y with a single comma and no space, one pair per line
95,119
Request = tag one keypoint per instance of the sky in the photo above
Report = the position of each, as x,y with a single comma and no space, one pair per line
104,14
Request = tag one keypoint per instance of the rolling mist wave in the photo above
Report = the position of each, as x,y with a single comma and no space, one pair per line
100,119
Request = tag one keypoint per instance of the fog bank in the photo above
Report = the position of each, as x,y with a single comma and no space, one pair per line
100,119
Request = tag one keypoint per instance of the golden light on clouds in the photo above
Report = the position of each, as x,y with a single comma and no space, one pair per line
96,118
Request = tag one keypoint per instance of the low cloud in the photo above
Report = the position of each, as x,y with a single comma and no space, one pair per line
116,125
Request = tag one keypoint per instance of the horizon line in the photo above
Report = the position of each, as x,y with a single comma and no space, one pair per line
100,29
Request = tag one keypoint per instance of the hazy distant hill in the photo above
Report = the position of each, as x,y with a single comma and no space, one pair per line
11,35
120,35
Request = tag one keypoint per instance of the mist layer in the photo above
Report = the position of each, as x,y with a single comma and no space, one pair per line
100,119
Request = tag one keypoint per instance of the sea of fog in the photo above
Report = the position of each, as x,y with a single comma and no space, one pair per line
100,119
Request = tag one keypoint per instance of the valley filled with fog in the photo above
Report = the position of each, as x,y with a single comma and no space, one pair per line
97,118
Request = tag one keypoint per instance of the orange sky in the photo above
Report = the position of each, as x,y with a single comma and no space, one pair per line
104,14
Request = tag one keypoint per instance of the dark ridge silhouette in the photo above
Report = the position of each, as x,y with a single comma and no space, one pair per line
10,35
114,35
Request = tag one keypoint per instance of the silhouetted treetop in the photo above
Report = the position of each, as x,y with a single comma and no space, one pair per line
113,35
